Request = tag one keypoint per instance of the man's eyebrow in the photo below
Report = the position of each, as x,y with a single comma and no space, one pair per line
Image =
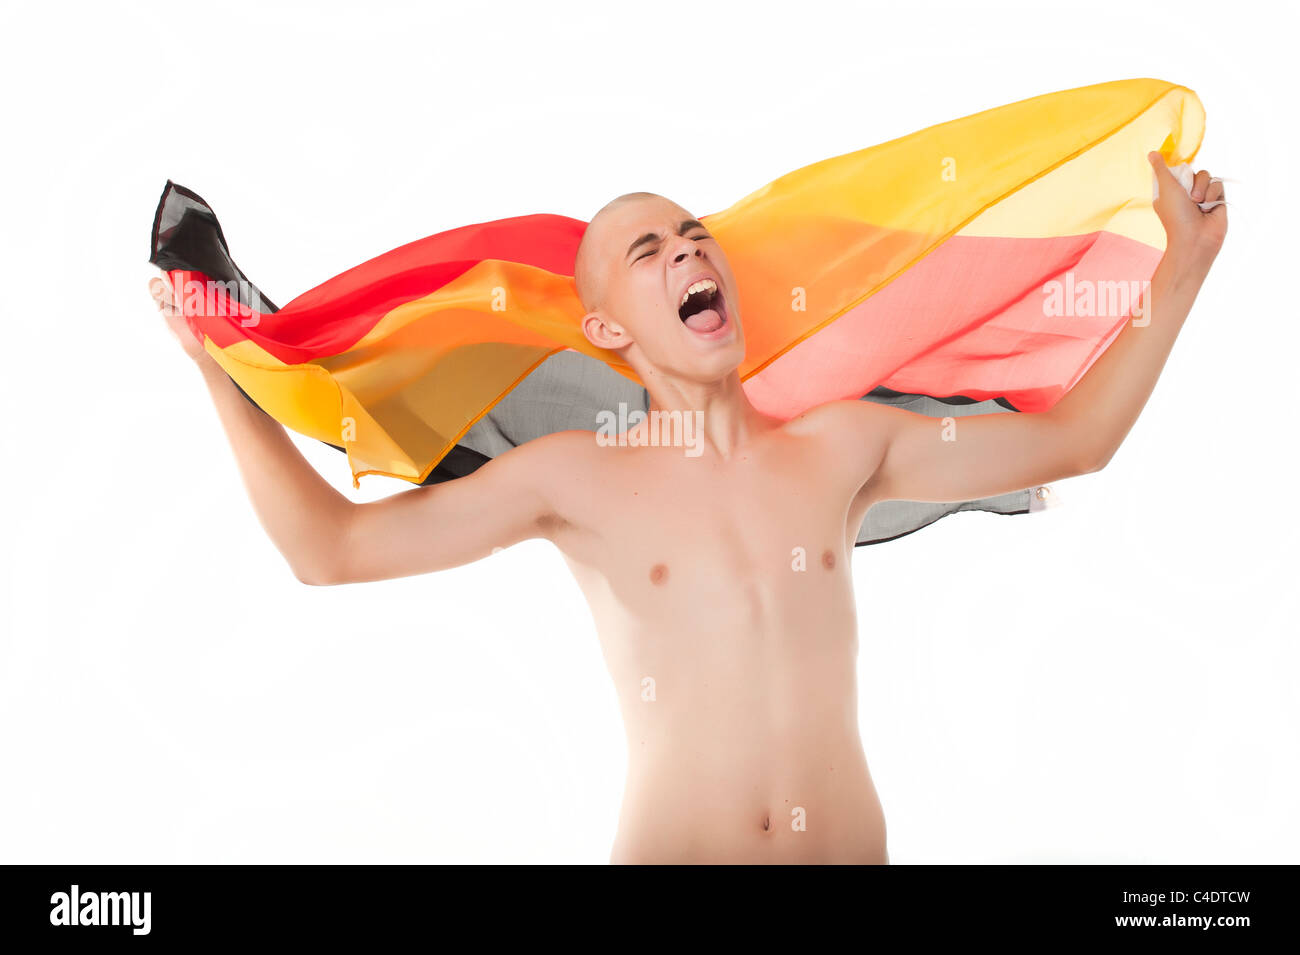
682,229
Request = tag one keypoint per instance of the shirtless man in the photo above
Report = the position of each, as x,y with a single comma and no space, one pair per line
734,665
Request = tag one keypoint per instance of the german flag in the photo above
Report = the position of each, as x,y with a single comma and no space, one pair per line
979,265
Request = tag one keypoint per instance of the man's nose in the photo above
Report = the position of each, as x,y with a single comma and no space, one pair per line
683,250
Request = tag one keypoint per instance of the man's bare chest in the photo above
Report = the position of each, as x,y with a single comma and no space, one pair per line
744,539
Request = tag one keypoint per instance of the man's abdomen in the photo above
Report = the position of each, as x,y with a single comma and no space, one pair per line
786,798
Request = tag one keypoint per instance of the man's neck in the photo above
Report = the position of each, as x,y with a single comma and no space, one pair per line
730,421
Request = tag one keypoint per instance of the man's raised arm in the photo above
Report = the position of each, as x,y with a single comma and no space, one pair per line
999,453
328,539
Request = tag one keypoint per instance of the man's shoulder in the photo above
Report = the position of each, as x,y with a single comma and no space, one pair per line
558,447
848,436
835,418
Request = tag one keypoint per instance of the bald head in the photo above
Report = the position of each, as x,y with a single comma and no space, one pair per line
587,270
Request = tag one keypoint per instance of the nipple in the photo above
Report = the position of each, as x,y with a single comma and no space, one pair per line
658,574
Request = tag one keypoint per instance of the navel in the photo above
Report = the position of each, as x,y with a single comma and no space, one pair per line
659,574
828,560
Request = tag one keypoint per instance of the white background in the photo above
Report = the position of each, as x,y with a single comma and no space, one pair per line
1111,681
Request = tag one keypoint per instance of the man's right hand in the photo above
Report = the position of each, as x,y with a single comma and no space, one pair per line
161,290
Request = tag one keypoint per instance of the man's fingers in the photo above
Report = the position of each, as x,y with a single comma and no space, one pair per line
162,293
1196,187
1165,180
1199,185
162,296
1158,163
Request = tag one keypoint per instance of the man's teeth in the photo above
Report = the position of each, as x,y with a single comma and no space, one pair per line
703,285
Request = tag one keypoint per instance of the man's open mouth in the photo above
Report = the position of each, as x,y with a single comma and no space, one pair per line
702,308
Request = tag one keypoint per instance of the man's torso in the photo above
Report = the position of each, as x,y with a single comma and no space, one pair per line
722,594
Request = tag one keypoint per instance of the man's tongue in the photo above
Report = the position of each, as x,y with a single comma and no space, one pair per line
706,321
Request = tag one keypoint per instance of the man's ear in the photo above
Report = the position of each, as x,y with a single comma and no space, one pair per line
603,333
